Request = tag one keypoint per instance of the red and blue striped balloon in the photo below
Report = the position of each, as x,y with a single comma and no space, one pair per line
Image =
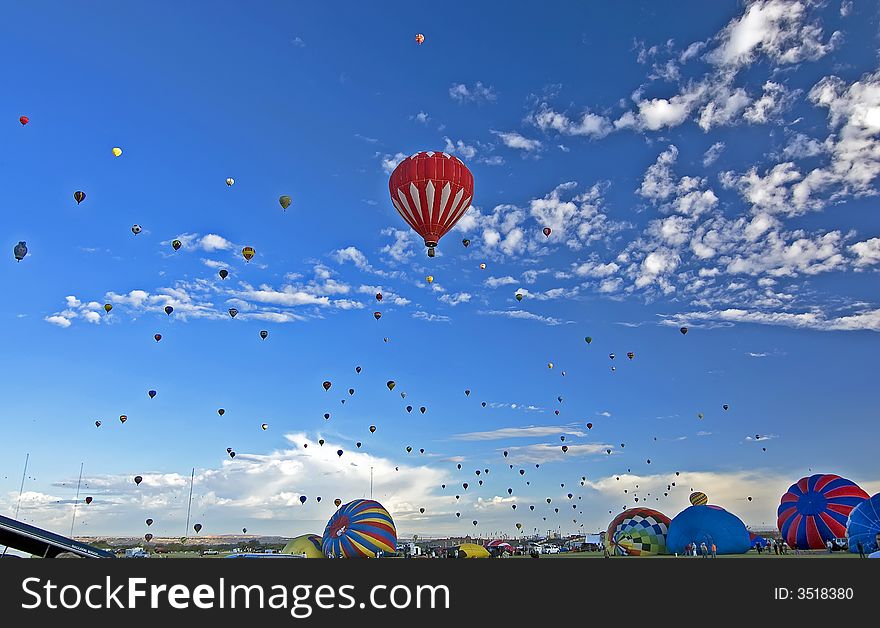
359,529
815,509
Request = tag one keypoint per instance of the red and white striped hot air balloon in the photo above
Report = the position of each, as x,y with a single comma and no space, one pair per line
431,190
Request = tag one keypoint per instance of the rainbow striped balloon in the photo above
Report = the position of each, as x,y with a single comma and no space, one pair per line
359,529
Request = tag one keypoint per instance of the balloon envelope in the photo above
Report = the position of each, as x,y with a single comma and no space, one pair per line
863,526
308,545
638,532
814,510
708,524
360,529
431,190
472,550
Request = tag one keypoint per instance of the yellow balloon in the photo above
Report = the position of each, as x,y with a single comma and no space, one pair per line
472,550
430,278
308,544
117,151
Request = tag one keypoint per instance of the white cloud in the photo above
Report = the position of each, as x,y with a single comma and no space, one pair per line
815,319
531,431
776,28
800,146
354,255
713,153
595,269
724,108
58,320
775,100
460,148
431,318
475,93
456,299
389,162
512,139
867,252
213,242
552,452
522,314
589,124
402,248
494,282
421,117
658,182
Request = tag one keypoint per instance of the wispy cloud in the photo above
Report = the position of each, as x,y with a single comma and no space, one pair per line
523,315
532,431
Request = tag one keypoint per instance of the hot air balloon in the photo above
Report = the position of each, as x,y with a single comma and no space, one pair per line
698,498
699,415
157,337
244,530
630,355
151,393
149,522
339,453
116,151
360,529
264,426
230,181
138,479
148,537
123,418
391,384
168,310
248,253
264,334
431,191
107,307
307,545
863,526
377,315
223,273
326,416
423,409
88,500
79,196
547,231
430,278
638,531
683,330
284,201
321,442
176,244
549,365
97,424
588,339
725,406
197,527
482,267
24,120
519,296
815,510
20,250
420,39
372,429
221,411
302,499
409,408
408,449
136,229
378,296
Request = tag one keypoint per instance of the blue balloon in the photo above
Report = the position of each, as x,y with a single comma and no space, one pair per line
864,525
708,524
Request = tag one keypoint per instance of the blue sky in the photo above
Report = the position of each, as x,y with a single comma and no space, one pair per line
704,164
